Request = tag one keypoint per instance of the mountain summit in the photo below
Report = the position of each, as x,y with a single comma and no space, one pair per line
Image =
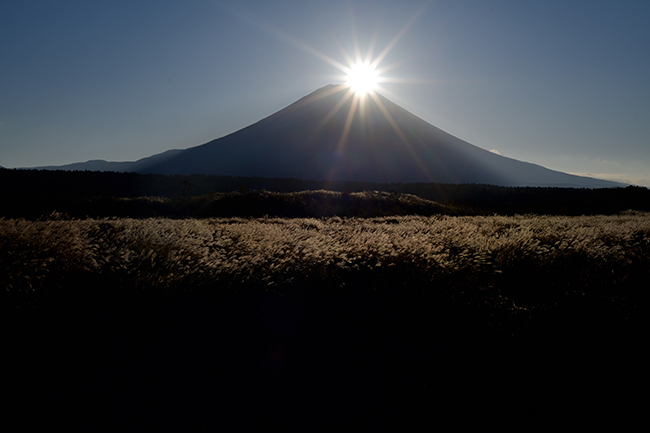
331,134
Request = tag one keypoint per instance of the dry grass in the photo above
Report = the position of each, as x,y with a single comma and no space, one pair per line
524,261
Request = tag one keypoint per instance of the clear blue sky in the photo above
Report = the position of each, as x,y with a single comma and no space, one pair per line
564,84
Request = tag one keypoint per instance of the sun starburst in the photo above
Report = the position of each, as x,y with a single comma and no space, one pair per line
362,78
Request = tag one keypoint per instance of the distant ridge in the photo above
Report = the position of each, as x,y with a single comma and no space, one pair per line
102,165
326,135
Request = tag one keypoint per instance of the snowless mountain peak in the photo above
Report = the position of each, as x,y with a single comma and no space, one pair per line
333,134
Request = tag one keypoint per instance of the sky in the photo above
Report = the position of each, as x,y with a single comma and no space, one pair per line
563,84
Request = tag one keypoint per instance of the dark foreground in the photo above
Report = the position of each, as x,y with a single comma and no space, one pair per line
265,362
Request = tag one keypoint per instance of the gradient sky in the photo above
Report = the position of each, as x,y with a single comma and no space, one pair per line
564,84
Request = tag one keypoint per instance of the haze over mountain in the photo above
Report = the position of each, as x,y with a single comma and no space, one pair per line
331,134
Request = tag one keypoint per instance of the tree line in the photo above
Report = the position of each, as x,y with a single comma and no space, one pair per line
34,193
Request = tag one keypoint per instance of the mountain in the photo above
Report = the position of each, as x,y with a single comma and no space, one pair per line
102,165
332,135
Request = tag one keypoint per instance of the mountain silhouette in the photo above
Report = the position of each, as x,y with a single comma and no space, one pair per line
331,134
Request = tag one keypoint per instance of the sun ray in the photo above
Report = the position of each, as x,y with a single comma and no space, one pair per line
348,94
355,37
348,122
278,32
281,34
398,36
371,47
405,141
389,118
382,70
324,94
346,56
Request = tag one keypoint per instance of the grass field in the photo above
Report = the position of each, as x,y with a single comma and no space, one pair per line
380,321
563,255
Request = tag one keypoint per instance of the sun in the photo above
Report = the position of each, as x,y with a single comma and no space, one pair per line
362,77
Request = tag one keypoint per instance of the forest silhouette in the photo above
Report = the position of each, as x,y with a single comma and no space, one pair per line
37,193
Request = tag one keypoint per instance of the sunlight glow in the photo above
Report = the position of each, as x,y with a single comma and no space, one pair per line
362,75
362,78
